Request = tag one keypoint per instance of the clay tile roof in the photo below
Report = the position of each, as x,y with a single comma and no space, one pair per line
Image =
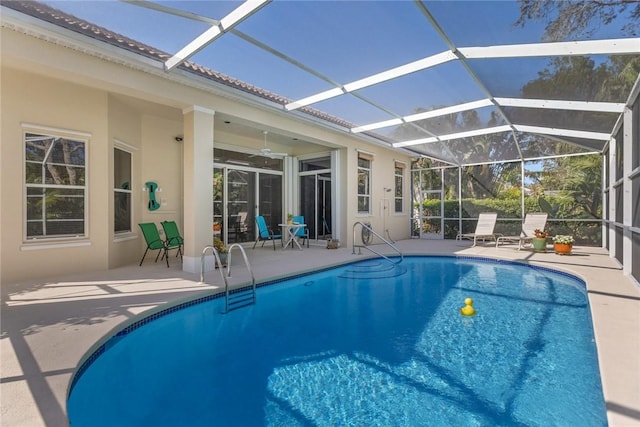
72,23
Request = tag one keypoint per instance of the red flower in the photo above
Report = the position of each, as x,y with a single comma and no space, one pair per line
541,234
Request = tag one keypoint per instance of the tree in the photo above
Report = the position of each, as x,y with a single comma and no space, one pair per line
578,180
573,18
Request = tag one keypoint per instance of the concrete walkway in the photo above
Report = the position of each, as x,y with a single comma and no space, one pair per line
48,326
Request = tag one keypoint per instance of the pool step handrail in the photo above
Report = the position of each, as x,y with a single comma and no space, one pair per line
367,227
239,298
243,296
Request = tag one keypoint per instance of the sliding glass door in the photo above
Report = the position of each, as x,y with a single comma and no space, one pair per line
270,200
315,196
242,189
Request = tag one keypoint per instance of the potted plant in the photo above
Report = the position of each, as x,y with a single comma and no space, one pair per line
539,240
221,248
562,244
289,218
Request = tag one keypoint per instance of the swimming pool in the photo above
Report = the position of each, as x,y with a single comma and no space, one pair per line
333,348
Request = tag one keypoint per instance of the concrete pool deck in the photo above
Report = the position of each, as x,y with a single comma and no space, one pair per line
49,325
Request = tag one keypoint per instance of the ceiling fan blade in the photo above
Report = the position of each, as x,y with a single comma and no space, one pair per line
266,151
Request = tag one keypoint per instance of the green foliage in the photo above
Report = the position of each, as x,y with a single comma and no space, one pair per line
218,185
562,207
511,193
578,17
563,239
219,245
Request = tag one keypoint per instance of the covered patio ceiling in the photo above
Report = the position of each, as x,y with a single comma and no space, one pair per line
456,81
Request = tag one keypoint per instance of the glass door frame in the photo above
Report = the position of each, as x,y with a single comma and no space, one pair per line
222,216
322,181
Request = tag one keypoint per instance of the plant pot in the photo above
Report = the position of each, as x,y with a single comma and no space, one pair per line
562,248
223,259
539,244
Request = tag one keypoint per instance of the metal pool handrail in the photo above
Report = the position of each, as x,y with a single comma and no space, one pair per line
224,278
368,228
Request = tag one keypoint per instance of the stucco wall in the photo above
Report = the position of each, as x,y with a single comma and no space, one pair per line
37,100
382,215
161,162
125,132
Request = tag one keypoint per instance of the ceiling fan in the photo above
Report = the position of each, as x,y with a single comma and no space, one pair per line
266,152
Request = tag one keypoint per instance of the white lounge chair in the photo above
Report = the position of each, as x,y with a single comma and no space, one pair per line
532,222
484,228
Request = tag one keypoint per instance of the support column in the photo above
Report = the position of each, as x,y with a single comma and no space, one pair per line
627,207
290,196
612,197
337,198
198,182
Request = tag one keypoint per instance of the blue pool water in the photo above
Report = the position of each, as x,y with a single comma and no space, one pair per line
330,350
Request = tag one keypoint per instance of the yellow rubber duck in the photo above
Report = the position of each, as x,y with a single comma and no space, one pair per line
468,309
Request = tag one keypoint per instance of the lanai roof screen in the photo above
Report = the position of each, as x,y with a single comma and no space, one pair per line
461,81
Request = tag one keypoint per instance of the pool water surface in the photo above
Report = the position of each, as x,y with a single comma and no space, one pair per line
330,350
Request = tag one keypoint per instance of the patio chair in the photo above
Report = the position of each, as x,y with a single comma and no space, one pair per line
153,240
173,238
302,232
484,228
238,226
532,222
265,234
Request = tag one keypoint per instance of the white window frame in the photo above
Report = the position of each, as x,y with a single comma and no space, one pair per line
398,193
77,136
367,171
126,148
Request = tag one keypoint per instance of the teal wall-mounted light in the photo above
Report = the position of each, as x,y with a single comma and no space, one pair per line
152,187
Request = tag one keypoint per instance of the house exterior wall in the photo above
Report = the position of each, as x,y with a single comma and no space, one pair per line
125,132
382,214
156,156
161,162
32,99
48,85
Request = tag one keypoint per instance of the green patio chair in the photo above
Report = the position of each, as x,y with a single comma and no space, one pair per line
264,233
154,241
173,238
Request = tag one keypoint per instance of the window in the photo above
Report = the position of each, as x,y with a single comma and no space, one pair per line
364,183
399,187
55,186
121,191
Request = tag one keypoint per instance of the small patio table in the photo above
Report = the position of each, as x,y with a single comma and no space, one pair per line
290,230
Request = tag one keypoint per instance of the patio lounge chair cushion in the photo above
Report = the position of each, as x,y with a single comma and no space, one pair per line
484,228
265,233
